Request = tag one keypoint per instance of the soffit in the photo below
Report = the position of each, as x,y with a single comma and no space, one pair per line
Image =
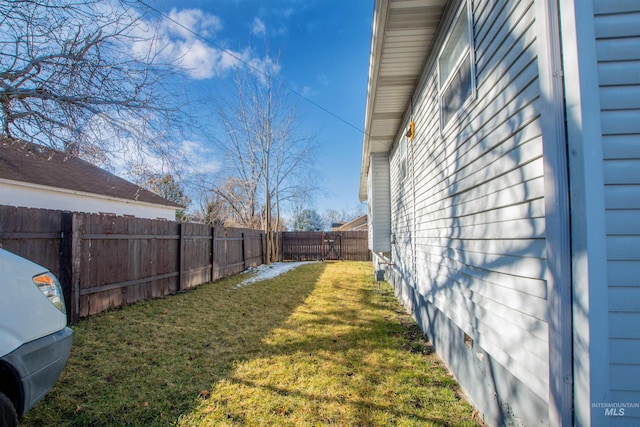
403,34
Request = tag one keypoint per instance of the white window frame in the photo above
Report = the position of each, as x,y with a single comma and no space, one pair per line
445,81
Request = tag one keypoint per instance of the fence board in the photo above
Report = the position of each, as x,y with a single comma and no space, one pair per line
355,246
197,255
302,246
119,271
227,253
254,253
35,236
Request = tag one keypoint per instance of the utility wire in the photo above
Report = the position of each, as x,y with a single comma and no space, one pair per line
253,68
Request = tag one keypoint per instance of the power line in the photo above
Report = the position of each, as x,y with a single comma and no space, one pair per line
253,68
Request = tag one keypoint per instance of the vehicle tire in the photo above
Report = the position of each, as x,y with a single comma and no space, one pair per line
8,416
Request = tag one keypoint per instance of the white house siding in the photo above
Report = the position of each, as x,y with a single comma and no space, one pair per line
402,214
468,222
379,210
16,193
617,31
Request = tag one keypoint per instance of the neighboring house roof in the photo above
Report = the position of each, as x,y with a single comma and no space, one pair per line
360,223
403,35
26,162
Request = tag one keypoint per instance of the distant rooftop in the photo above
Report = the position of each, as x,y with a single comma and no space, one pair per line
359,224
26,162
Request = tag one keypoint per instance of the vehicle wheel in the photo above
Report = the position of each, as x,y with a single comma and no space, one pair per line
8,416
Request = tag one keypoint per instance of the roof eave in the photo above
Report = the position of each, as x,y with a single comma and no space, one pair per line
168,206
379,19
414,22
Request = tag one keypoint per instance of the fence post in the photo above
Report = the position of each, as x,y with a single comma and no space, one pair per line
261,248
244,253
66,260
280,246
213,250
77,234
180,255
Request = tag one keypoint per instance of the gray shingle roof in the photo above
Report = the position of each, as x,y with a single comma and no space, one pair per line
26,162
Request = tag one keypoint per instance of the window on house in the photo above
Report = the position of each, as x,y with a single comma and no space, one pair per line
456,79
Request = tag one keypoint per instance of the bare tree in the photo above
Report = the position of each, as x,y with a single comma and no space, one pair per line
332,216
231,204
77,75
266,148
167,186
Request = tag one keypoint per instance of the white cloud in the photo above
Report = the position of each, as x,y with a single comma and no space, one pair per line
181,38
188,21
124,156
258,27
110,146
309,91
229,59
287,13
323,79
261,66
184,38
199,60
201,159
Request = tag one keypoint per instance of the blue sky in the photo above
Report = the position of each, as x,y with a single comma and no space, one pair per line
324,56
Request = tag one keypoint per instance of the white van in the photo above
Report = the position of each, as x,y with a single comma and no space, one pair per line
34,338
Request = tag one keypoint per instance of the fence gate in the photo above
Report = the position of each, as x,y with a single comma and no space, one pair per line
318,245
331,246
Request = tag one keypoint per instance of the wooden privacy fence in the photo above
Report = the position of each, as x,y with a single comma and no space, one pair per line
320,245
106,261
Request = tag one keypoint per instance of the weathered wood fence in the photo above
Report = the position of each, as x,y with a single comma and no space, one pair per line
106,261
319,245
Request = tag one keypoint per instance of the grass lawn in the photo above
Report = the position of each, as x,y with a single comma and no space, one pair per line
320,345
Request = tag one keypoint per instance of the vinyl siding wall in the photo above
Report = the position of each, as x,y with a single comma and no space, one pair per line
379,209
468,222
617,30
